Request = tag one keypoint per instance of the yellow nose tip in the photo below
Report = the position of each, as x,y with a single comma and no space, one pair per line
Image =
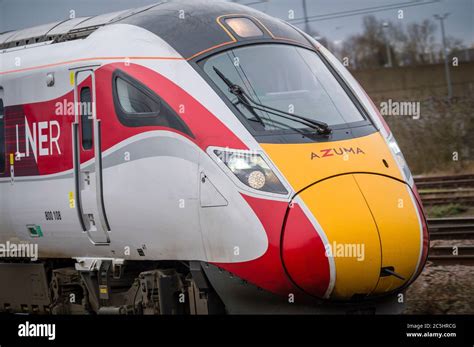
373,232
399,226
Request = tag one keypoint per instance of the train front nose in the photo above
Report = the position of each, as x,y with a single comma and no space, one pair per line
374,236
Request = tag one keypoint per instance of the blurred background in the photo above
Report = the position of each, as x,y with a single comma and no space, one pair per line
402,51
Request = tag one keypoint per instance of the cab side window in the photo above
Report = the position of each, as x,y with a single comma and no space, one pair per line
136,105
135,101
2,137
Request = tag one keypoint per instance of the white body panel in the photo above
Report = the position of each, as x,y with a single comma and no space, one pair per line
144,196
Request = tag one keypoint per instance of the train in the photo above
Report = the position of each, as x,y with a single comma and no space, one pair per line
197,157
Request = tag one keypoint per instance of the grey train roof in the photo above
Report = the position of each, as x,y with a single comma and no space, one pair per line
69,28
196,32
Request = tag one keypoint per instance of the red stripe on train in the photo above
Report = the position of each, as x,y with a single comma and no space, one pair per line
45,123
306,263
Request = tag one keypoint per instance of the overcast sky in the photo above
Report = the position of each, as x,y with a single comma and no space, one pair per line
17,14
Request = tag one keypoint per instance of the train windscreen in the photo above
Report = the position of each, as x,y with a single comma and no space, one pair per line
292,79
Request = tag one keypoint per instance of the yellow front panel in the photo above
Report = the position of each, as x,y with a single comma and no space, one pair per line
304,164
398,226
342,212
356,205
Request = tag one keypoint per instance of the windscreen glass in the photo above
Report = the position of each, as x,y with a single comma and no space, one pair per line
288,78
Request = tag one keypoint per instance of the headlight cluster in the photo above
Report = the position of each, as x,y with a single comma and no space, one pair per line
400,158
252,170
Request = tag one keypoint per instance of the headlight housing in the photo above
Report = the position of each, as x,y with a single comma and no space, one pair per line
400,158
252,170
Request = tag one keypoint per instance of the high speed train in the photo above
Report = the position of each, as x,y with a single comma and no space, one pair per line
196,157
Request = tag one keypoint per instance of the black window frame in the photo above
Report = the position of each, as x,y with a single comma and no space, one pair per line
3,144
165,117
86,120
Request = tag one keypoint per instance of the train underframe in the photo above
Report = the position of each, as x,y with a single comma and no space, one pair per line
114,287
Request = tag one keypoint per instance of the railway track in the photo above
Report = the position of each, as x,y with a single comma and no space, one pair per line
452,255
444,182
451,228
447,197
442,190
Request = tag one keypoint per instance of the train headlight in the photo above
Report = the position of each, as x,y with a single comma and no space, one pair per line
400,158
252,170
257,179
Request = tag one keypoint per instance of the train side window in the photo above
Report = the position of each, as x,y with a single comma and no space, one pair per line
137,105
86,121
2,137
135,101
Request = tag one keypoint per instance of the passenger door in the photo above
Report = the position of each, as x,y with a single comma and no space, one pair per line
87,149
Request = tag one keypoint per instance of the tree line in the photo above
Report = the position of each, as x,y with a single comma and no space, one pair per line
410,45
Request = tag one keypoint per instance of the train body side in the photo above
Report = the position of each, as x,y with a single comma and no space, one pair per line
153,189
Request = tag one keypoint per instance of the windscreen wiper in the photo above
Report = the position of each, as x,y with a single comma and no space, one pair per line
321,127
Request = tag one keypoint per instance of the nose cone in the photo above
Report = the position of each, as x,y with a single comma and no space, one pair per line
373,234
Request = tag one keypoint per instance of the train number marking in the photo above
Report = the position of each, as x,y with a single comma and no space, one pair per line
53,215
